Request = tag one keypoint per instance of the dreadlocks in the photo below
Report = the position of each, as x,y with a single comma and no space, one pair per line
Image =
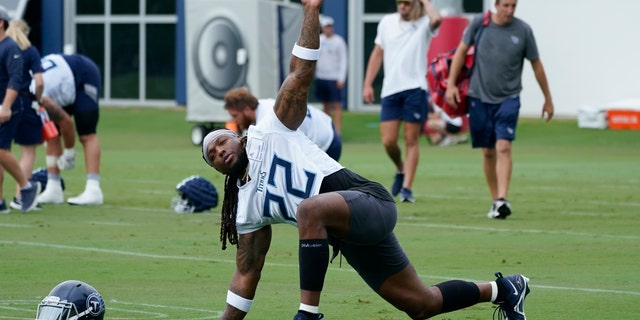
230,208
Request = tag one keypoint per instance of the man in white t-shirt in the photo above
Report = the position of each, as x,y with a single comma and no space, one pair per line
401,46
246,110
331,71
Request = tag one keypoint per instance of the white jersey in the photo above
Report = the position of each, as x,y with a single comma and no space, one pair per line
285,167
317,125
405,45
59,83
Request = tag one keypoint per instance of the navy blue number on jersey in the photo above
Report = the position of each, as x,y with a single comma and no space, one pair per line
281,164
48,64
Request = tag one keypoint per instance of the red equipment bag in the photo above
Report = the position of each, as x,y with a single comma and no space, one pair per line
438,74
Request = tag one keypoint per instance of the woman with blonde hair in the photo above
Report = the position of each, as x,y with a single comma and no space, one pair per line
29,132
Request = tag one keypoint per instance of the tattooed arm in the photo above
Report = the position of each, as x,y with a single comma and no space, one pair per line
250,258
291,102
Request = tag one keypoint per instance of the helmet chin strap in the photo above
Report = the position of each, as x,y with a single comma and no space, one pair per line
80,315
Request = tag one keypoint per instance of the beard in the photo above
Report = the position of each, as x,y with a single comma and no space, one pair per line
240,166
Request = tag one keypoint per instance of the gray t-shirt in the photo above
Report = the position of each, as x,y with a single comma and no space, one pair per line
497,71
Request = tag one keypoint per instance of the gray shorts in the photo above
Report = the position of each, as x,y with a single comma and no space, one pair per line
371,247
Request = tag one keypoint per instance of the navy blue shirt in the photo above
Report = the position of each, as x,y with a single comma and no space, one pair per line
32,65
11,66
84,70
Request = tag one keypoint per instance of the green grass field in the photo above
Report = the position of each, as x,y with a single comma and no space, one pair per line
575,230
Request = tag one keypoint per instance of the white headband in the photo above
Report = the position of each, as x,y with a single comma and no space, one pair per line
211,138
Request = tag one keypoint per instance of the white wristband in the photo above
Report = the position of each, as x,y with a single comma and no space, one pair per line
238,302
305,53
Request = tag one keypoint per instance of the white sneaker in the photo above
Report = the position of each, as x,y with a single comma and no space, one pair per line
500,209
493,212
449,140
52,193
92,195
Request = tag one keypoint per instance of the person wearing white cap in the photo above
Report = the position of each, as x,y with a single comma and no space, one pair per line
275,175
331,71
15,103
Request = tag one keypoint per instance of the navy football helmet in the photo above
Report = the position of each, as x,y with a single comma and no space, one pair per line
197,194
72,300
40,175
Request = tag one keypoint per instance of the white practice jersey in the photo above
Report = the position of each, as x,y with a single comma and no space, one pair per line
59,83
317,125
285,168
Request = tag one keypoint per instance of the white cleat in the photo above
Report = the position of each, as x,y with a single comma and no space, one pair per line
92,195
87,198
52,193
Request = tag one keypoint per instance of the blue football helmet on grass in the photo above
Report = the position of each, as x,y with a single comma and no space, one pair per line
196,193
72,300
40,175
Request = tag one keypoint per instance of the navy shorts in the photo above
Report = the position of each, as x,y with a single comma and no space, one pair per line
335,148
85,109
86,122
327,91
371,247
22,126
409,106
489,122
30,128
88,82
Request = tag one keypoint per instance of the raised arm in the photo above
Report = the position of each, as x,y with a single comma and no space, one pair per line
435,19
291,101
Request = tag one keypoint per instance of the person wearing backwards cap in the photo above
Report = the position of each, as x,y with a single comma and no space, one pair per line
276,175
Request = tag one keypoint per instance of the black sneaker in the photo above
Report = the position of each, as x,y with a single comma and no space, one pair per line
3,207
28,196
406,195
503,207
302,316
397,183
517,286
17,204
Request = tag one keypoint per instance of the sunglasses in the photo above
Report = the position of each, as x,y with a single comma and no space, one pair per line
406,3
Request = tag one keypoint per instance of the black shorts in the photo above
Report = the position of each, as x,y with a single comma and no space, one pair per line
452,128
371,247
86,122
